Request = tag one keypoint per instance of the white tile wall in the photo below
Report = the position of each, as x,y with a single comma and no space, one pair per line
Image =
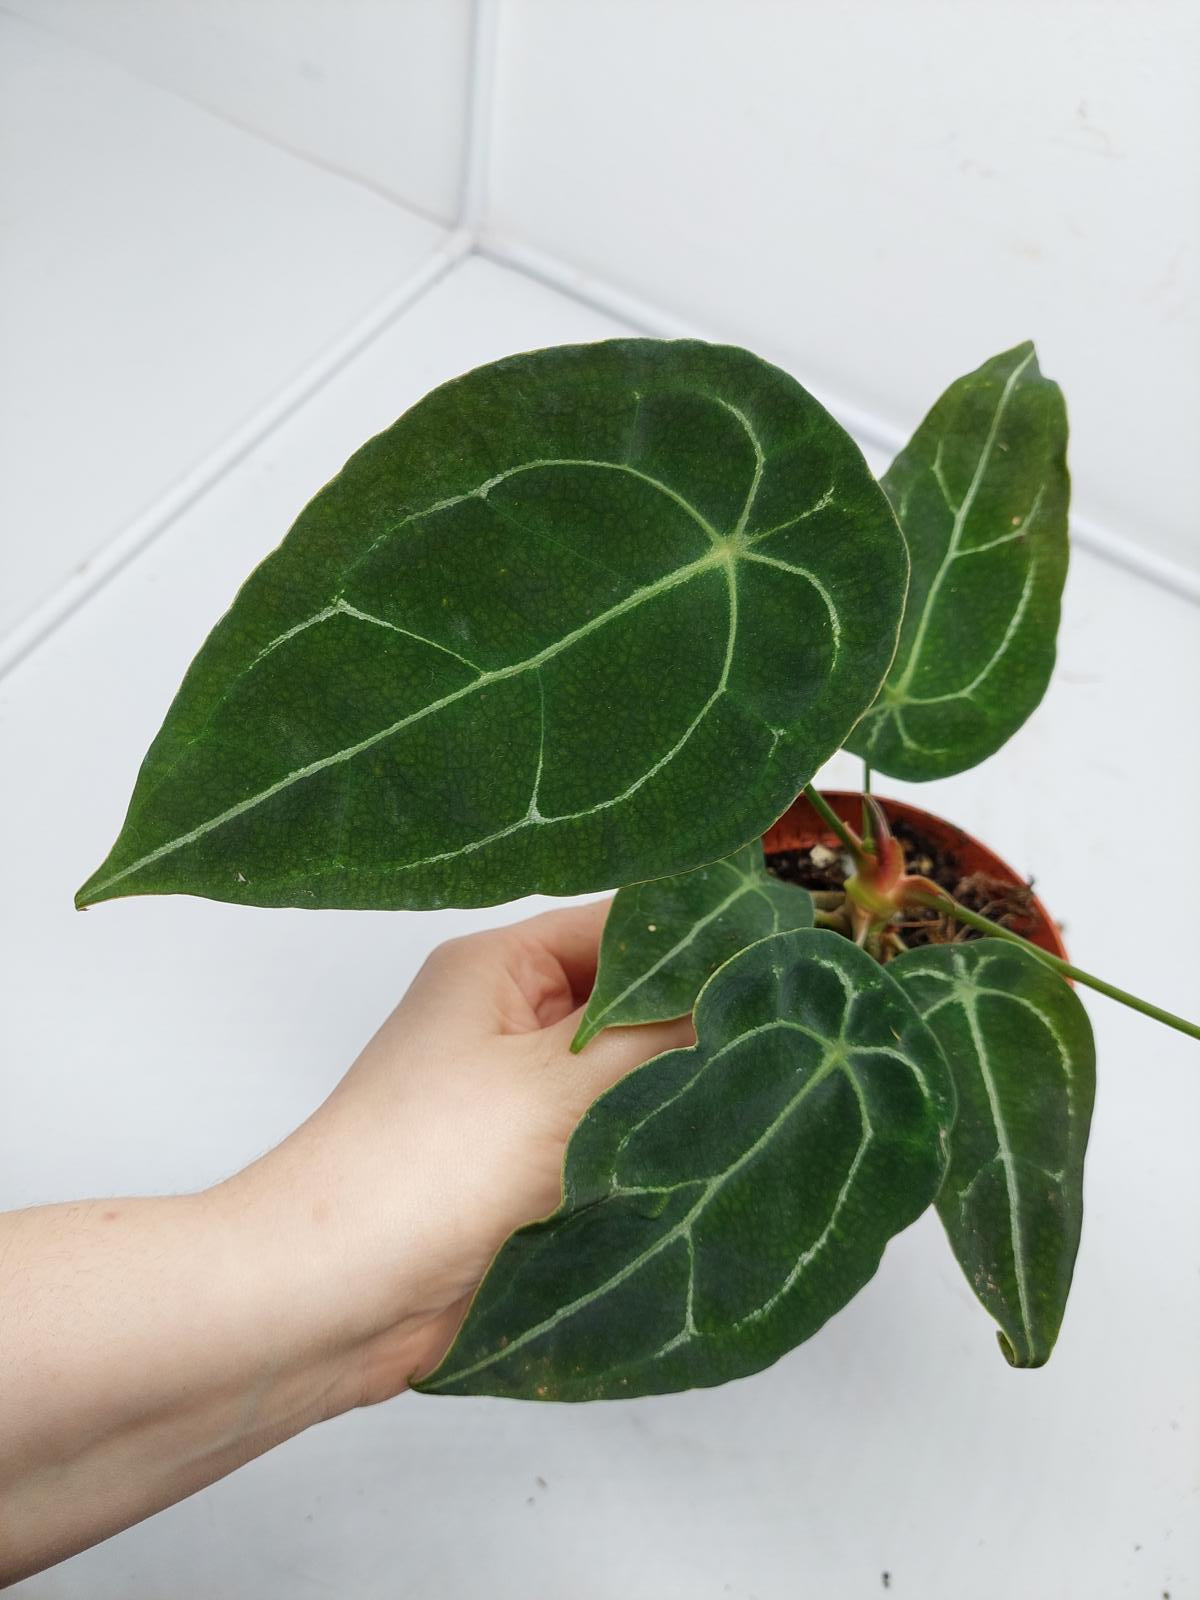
373,89
885,193
164,276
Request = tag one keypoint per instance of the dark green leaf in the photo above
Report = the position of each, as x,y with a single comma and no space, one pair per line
722,1202
1019,1045
664,939
981,493
581,617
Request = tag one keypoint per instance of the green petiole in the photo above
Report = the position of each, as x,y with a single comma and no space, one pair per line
941,902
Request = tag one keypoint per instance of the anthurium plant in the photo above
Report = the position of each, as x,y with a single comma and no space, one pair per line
591,618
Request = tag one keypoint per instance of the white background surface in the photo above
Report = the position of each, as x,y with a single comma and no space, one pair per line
881,195
375,90
158,1044
164,276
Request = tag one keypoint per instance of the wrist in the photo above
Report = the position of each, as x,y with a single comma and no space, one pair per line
348,1298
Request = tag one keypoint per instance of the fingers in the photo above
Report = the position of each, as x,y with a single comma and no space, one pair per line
515,979
550,961
572,936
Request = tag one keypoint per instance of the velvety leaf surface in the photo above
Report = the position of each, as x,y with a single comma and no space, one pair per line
581,617
981,493
664,939
1019,1044
723,1201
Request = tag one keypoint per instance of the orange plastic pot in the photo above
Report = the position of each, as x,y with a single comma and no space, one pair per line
800,827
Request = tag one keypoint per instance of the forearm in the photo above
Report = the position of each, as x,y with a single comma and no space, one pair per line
147,1348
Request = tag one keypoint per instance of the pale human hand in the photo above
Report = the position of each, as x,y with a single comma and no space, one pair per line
446,1134
153,1345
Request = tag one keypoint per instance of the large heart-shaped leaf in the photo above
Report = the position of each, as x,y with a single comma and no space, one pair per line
1020,1047
664,939
723,1201
981,493
583,616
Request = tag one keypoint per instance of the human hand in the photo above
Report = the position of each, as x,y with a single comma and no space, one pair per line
446,1134
153,1345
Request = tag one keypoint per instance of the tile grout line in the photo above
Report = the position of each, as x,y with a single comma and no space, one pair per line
114,63
144,529
475,178
469,237
866,427
459,243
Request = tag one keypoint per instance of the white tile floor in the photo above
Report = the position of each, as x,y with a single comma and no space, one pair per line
158,1044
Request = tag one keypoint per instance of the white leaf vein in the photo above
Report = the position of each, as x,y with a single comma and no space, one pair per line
834,1059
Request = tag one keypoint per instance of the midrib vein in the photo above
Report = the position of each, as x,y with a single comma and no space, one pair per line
829,1064
681,575
1060,1044
962,997
676,949
959,524
481,491
809,1254
1014,623
1007,1161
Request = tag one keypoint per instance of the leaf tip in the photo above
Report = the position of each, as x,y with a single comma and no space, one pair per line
1027,353
584,1035
1026,1362
91,891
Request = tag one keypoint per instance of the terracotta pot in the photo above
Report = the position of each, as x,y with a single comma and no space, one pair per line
799,828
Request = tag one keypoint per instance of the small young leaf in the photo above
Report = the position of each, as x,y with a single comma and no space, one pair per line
1020,1047
665,938
981,493
582,617
723,1201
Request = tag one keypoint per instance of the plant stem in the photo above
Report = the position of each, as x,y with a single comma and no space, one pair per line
943,902
827,814
868,833
868,823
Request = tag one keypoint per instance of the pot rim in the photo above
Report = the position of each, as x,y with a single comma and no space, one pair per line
801,826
